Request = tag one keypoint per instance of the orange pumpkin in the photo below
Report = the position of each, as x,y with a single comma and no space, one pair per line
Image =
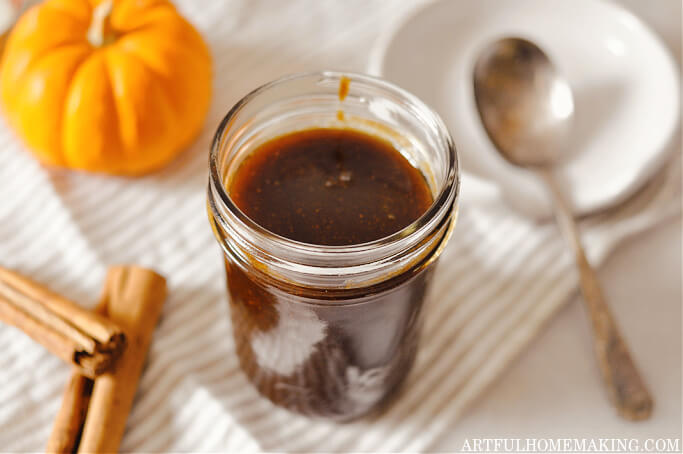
118,87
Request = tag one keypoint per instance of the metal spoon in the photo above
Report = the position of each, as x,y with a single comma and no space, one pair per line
527,111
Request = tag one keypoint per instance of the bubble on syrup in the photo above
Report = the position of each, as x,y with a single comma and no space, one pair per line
345,176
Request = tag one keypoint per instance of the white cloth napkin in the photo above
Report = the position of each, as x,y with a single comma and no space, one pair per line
499,281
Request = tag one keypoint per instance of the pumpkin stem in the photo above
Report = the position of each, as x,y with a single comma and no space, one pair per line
100,33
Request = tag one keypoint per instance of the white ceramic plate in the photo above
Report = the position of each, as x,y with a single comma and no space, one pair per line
625,85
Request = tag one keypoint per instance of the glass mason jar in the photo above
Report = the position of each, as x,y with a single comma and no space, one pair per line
330,331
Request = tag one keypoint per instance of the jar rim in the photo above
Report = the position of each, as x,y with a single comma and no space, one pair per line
449,191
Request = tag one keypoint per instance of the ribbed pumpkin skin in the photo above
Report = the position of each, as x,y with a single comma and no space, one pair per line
126,107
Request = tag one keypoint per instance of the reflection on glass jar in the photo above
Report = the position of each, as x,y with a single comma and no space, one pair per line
330,330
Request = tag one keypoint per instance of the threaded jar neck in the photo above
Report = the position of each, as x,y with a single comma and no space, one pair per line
311,100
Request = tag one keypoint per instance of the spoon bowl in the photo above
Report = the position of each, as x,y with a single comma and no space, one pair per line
526,107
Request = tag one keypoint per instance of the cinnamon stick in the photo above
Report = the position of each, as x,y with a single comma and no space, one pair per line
68,426
89,341
134,297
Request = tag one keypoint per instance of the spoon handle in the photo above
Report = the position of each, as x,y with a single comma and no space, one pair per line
625,385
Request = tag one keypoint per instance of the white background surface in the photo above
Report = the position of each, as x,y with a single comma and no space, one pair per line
555,389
